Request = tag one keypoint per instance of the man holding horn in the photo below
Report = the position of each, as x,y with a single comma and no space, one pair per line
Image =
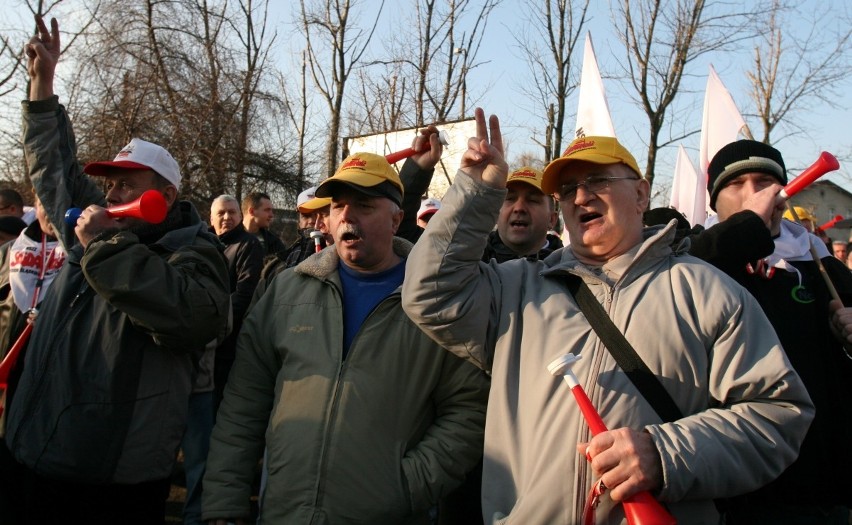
772,259
742,411
101,404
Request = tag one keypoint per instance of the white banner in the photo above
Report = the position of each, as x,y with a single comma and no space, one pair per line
688,190
593,116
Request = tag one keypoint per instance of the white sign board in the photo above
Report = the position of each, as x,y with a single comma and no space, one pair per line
445,172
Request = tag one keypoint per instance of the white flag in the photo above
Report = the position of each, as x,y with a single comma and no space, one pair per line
592,110
722,121
720,125
688,190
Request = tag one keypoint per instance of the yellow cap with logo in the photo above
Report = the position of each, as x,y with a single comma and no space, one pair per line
367,173
597,150
527,175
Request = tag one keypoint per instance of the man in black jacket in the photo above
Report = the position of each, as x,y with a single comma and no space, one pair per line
771,258
257,217
245,261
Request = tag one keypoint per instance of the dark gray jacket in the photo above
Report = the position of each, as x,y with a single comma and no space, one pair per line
108,371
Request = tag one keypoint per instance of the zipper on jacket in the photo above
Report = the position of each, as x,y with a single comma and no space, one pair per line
329,425
38,377
585,432
335,401
610,297
590,385
582,473
83,290
352,345
329,431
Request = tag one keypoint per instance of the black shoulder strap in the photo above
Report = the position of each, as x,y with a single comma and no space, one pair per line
626,357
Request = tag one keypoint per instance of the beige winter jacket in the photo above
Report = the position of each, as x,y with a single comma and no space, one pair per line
700,332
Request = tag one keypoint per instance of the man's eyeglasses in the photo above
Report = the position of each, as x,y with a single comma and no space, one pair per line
592,185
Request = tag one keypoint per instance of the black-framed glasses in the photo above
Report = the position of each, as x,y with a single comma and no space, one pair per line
594,184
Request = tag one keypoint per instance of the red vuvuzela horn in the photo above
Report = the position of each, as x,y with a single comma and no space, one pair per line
407,152
151,207
9,361
824,164
831,223
640,508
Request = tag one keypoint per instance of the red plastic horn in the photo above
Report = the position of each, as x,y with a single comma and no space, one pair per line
640,508
407,152
830,224
151,207
824,164
8,363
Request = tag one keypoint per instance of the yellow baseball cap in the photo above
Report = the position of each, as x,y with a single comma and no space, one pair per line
365,172
597,150
802,213
527,175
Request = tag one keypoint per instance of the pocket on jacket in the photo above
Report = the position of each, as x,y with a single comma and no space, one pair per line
86,442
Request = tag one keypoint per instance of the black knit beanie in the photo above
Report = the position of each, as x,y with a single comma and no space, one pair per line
743,156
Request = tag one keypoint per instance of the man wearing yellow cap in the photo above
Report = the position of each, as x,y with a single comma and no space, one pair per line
364,418
526,217
741,411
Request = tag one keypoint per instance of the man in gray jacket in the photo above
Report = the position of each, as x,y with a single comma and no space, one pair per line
704,337
365,419
101,404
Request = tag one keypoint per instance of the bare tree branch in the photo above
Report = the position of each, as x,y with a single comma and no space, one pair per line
788,71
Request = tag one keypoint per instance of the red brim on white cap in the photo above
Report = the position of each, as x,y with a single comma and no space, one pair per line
427,212
100,169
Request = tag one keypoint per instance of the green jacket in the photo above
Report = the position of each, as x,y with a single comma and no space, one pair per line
377,438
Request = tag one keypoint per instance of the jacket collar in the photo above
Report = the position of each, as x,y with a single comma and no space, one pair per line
324,264
656,244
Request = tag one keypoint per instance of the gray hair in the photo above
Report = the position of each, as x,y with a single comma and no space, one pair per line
225,198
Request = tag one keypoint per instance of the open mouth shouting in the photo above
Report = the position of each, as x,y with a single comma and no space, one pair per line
589,216
349,234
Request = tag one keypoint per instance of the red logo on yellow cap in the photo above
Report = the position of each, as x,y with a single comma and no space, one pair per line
353,163
580,144
526,174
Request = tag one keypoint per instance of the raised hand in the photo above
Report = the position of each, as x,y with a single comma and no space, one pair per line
430,147
766,204
483,159
42,52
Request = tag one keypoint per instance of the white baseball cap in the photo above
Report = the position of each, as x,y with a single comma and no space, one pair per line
306,195
427,207
307,202
140,155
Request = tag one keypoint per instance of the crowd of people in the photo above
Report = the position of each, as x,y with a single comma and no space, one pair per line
395,364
